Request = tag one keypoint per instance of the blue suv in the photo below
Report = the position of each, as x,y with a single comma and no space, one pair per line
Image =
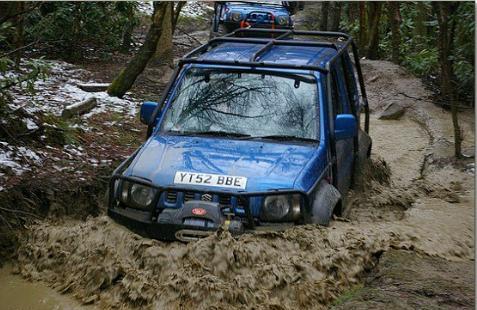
230,15
258,129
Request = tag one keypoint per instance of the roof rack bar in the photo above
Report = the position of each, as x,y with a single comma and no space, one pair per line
251,64
265,41
269,45
204,47
277,42
297,32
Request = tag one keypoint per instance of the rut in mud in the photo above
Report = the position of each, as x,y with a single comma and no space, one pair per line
414,198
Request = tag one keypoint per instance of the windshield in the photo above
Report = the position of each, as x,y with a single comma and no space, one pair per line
240,103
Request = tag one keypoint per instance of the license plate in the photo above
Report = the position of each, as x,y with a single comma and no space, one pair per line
206,179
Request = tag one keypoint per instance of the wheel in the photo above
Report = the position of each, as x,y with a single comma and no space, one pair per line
326,200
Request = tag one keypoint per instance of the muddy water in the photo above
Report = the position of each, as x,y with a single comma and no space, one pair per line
401,206
17,293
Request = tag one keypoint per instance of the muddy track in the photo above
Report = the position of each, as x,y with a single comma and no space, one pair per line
414,198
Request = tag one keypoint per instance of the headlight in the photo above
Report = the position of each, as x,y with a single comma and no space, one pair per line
282,20
142,195
137,195
280,208
236,16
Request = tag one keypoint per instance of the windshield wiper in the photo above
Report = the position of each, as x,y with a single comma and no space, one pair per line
217,133
285,138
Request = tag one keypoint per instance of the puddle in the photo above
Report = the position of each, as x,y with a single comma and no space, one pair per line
17,293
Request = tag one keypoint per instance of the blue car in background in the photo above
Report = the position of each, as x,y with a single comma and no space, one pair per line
230,15
256,130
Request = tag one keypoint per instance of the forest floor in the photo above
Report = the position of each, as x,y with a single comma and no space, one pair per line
406,243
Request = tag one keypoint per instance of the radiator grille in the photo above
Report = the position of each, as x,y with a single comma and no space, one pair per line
172,197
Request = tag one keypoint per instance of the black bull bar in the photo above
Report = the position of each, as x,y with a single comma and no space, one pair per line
145,222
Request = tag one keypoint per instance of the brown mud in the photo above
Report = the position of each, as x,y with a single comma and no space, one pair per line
404,280
415,198
20,294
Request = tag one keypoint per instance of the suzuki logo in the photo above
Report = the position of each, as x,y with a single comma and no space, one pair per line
199,211
206,197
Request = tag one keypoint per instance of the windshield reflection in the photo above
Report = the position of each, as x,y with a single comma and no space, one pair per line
240,103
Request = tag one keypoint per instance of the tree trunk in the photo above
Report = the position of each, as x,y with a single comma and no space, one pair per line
446,36
123,82
374,15
18,37
363,34
164,53
420,31
128,30
176,13
353,11
335,16
325,5
394,17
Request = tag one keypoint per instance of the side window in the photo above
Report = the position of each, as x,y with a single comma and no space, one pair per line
337,107
350,81
340,94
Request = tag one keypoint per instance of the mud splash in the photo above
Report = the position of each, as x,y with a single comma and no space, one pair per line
98,260
406,202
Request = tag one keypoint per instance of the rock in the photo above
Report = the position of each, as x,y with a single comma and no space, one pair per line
79,108
392,111
93,87
373,79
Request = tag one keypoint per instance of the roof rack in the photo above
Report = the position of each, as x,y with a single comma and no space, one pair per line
279,37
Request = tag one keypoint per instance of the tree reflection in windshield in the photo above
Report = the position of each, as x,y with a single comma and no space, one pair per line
244,103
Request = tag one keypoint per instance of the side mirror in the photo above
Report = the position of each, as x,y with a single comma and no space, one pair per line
346,126
147,110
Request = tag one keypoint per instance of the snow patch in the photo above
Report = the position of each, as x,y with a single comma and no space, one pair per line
145,7
196,9
31,125
60,89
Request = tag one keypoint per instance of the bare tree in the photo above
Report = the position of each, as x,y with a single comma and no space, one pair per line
325,6
363,34
126,78
335,16
420,30
444,10
374,16
164,45
394,17
353,11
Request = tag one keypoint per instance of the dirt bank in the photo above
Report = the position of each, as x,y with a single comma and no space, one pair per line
403,280
415,198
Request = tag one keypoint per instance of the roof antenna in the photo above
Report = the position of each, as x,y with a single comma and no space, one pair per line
297,84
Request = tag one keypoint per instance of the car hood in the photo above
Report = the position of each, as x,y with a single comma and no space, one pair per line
266,165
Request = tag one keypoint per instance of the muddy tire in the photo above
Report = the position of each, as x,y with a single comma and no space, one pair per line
327,198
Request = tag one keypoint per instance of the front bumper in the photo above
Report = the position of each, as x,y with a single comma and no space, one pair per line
170,224
253,24
140,223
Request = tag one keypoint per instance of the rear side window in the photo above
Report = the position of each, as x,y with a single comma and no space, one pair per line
335,99
350,81
340,97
